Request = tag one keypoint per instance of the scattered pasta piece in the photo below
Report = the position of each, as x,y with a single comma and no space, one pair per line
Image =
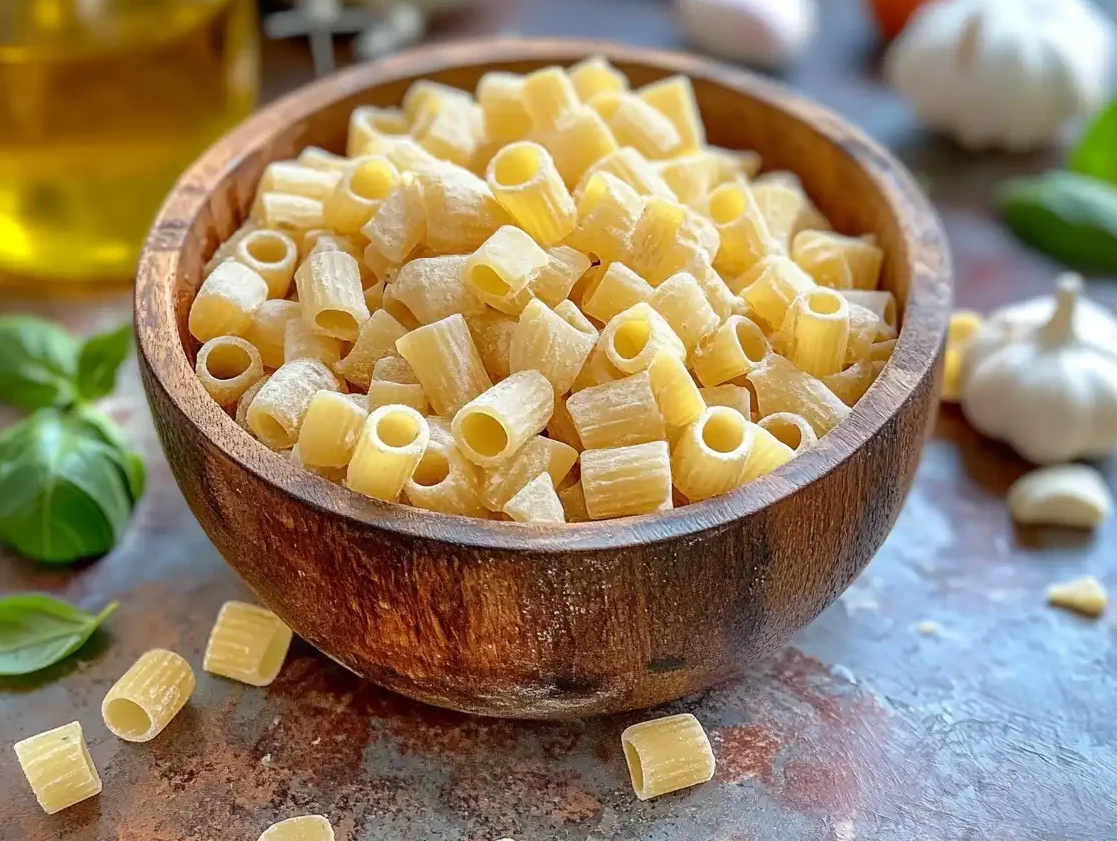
302,828
1084,595
1071,495
58,767
248,643
963,325
143,702
667,754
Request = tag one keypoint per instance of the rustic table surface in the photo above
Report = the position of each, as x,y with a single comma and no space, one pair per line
999,725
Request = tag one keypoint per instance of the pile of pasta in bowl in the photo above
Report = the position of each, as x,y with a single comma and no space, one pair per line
551,301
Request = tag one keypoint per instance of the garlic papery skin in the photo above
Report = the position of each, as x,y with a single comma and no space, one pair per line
763,33
1047,389
1003,73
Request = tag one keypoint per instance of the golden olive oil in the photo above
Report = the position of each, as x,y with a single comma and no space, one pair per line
103,103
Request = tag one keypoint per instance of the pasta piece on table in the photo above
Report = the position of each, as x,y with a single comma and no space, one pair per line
536,502
624,481
302,828
667,754
388,450
228,367
58,767
227,302
142,703
248,643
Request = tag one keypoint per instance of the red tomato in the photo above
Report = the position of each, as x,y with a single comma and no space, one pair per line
892,15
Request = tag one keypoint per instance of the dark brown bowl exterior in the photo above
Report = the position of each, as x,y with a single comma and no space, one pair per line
507,620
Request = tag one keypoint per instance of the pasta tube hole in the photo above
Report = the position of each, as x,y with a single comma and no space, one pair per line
824,302
727,205
372,180
127,719
724,430
336,323
484,434
517,163
631,338
269,429
227,361
488,280
433,469
397,429
785,432
751,339
266,247
635,766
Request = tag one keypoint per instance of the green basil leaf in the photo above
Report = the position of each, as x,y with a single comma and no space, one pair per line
38,362
107,430
1096,152
37,631
63,494
100,358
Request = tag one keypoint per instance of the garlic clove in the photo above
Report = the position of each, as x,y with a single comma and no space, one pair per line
1072,495
1084,595
767,33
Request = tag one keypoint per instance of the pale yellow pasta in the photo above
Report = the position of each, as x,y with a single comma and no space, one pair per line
400,223
667,754
376,340
963,325
461,211
674,98
690,177
768,453
544,341
734,396
669,238
718,294
789,429
228,248
318,158
385,393
393,369
817,327
781,387
613,291
525,181
368,125
573,501
298,179
330,292
850,384
536,502
608,210
580,139
445,359
711,455
58,767
745,238
302,828
880,303
227,367
500,269
734,164
425,95
637,124
330,430
539,455
568,311
227,302
500,96
272,255
617,413
562,428
679,399
358,195
632,339
248,643
594,75
771,287
882,351
374,296
145,699
450,130
389,449
492,334
445,480
683,305
625,481
494,425
837,261
733,350
407,156
433,288
301,342
283,210
598,370
633,169
864,329
547,95
397,309
785,208
277,412
553,282
246,399
320,239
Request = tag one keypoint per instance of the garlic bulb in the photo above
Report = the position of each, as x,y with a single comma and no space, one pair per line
1003,73
767,33
1045,381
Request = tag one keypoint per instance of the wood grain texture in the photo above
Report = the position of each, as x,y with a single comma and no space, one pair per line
499,619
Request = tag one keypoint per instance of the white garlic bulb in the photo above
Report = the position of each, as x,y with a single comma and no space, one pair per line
765,33
1003,73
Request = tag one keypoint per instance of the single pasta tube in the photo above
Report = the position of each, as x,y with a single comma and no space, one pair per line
568,311
632,339
637,124
882,351
634,170
674,98
333,302
297,179
690,177
668,238
731,351
553,282
143,702
359,194
405,394
573,500
735,164
495,424
248,643
580,139
536,502
548,94
269,327
301,342
451,131
246,399
562,428
624,481
539,455
598,370
607,213
545,342
525,181
445,480
768,452
594,75
400,222
394,369
376,340
882,304
227,302
734,396
667,754
817,323
227,367
277,412
302,828
227,249
618,413
407,156
425,95
781,387
283,210
389,449
445,359
613,291
684,306
272,255
745,238
492,334
679,400
433,288
500,96
461,210
771,287
500,269
789,429
369,124
58,767
711,457
330,430
318,158
718,294
785,208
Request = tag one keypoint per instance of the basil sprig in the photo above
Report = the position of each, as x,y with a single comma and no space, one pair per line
37,631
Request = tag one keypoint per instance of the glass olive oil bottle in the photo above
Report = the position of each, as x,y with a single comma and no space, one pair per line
103,103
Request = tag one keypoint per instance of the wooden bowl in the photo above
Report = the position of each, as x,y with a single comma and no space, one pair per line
547,622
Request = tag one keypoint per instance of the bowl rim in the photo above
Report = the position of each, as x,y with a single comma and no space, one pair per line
925,253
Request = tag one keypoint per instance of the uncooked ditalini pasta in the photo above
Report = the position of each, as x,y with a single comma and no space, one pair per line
622,481
882,351
711,456
227,367
865,328
568,311
227,302
718,294
634,170
445,359
492,334
674,98
277,412
538,455
536,502
617,413
608,210
330,430
376,340
613,291
548,94
667,754
690,178
358,195
731,351
445,480
394,369
679,399
461,211
301,341
433,288
368,125
837,261
500,96
579,140
634,338
525,181
248,643
331,296
595,75
881,304
272,255
745,239
286,211
400,222
246,401
684,306
302,828
789,429
573,500
817,327
771,287
544,341
317,158
781,387
58,767
637,124
767,453
668,238
553,282
268,329
403,394
492,426
734,396
143,702
298,179
388,450
500,269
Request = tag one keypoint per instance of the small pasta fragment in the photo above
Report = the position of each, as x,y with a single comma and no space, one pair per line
376,340
494,425
302,828
781,387
269,327
613,291
359,194
248,643
500,269
277,412
817,327
227,367
789,429
547,95
58,767
553,282
963,325
445,359
608,210
227,302
634,338
545,342
539,455
679,399
389,448
573,500
145,699
618,413
525,181
594,75
771,287
500,96
272,255
433,288
297,179
684,306
711,456
1085,595
624,481
674,98
637,124
744,236
852,383
536,502
330,430
837,261
578,140
330,292
492,334
731,351
667,754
